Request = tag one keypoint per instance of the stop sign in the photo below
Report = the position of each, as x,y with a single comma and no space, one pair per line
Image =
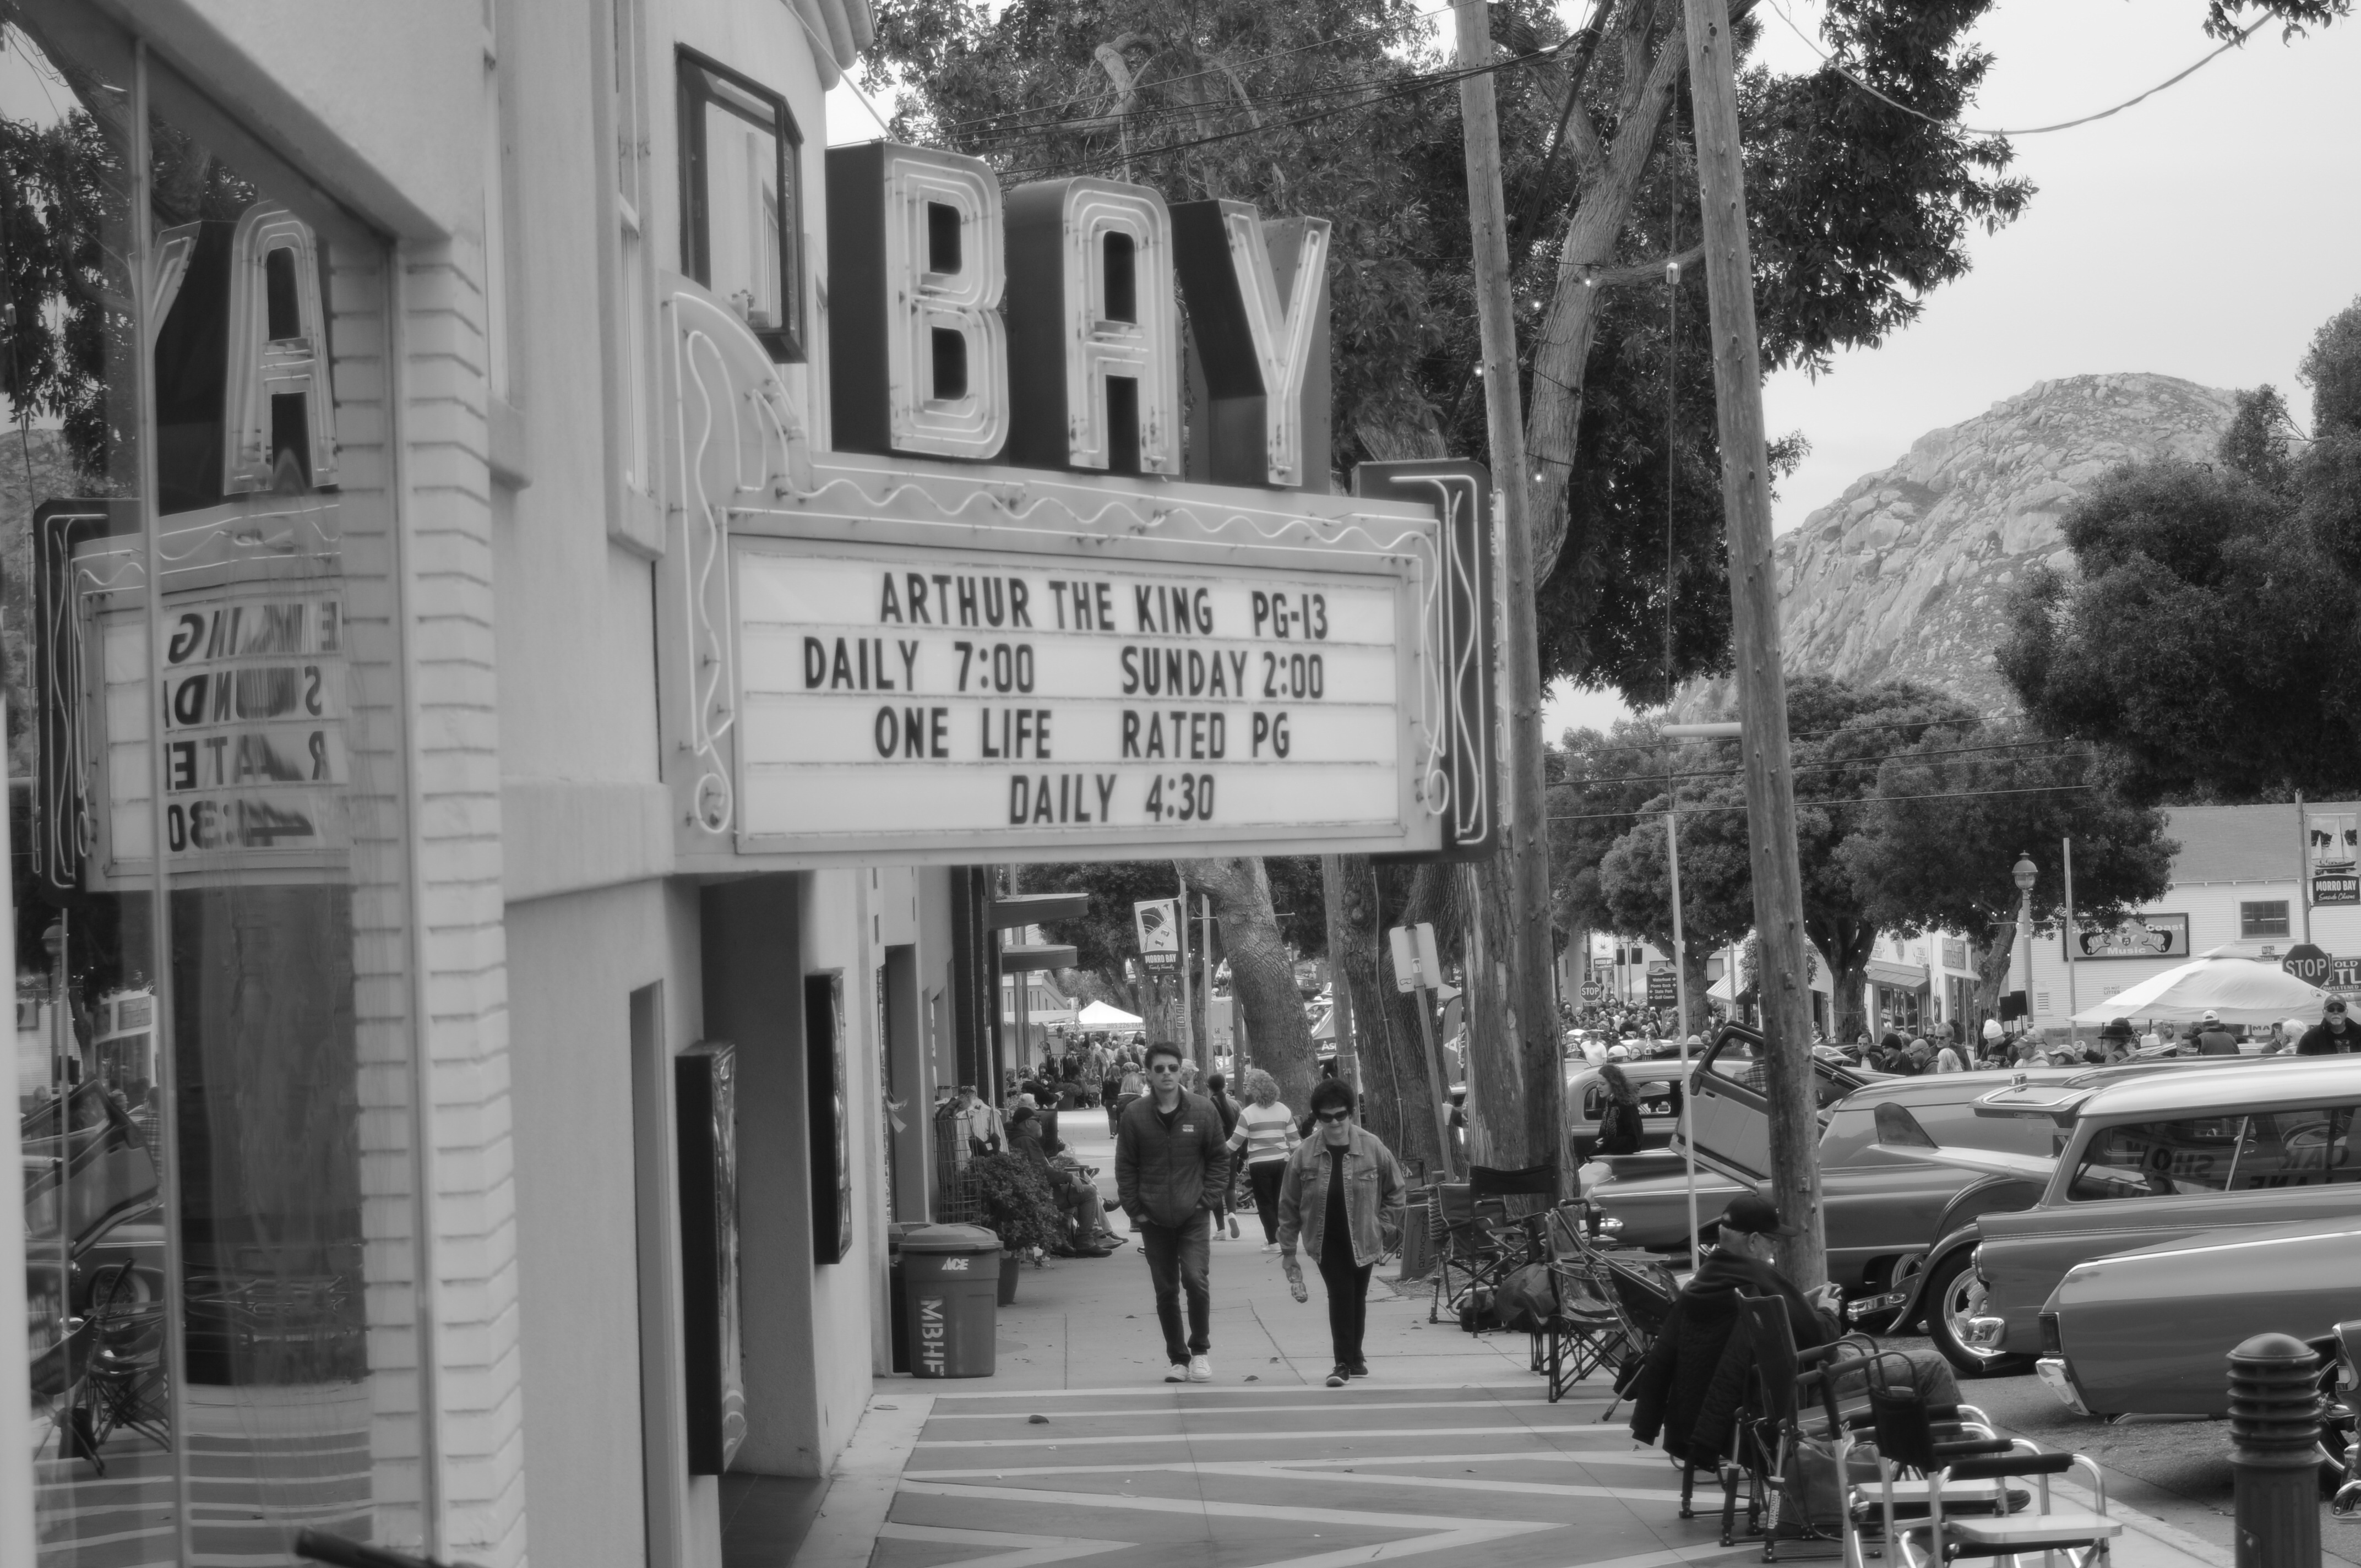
2307,963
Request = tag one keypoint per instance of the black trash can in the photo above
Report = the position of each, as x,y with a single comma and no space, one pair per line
952,1277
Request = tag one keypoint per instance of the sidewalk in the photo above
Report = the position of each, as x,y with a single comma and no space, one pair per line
1077,1447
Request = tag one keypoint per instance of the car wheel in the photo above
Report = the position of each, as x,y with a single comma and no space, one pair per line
1954,1294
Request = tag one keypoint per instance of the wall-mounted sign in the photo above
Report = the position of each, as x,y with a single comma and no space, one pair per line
904,656
1461,494
962,664
2140,937
2331,844
1955,952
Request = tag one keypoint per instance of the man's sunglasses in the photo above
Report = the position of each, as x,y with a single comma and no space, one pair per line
1165,1067
1333,1116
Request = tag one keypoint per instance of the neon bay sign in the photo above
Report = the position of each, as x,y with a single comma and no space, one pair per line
1083,370
998,619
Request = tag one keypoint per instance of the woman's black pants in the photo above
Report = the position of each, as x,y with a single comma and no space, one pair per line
1266,1175
1349,1305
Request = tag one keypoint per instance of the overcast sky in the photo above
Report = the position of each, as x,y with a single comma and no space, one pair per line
2203,233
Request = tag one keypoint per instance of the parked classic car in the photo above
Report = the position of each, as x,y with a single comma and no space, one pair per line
2163,1158
1878,1208
2144,1331
1657,1083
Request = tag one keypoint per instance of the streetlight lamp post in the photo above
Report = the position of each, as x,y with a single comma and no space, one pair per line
2024,872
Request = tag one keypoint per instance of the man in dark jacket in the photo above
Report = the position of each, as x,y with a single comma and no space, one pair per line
2213,1037
1172,1167
2333,1036
1691,1383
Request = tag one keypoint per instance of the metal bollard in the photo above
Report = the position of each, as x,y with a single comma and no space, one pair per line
2275,1452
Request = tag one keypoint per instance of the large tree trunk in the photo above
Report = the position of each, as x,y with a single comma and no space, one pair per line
1611,180
1845,947
1993,960
1397,1093
1513,1063
1693,1022
1262,977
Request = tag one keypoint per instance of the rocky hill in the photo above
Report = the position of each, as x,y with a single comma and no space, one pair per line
1906,575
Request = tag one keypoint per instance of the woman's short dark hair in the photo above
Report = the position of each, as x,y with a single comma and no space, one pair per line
1330,1094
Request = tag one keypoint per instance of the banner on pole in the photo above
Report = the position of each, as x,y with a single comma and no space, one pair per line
2330,845
1158,921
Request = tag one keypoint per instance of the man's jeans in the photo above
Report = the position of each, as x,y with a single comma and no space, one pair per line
1177,1260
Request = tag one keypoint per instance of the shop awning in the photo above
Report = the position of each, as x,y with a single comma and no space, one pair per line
1903,977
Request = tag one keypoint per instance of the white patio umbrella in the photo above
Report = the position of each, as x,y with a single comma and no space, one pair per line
2242,991
1099,1015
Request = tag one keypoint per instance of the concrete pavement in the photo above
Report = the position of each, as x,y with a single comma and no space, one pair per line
1076,1449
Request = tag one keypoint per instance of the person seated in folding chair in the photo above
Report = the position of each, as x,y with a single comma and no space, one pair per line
1689,1388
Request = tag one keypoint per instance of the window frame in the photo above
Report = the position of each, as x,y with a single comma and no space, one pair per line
693,75
2252,926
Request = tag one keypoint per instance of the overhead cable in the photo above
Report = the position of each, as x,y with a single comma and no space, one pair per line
1831,62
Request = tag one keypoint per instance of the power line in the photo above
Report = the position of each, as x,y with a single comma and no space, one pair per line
1831,62
1852,800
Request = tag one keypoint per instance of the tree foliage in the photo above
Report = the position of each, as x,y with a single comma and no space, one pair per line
1345,109
2203,644
1911,812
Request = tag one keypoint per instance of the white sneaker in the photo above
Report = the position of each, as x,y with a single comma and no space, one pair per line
1177,1372
1201,1369
1269,1247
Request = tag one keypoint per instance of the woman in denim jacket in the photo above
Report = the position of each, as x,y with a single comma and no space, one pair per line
1337,1182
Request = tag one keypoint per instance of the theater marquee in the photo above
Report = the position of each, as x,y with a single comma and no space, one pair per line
1078,685
998,623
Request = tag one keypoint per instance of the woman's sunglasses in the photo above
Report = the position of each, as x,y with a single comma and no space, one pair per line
1333,1116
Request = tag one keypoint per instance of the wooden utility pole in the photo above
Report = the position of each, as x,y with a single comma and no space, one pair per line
1786,997
1340,993
1534,1125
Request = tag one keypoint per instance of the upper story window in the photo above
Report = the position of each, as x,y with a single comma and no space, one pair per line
741,205
2267,917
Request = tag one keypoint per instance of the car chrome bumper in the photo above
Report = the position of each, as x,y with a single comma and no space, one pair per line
1983,1333
2051,1370
1866,1307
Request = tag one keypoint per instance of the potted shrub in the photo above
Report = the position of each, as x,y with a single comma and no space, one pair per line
1018,1208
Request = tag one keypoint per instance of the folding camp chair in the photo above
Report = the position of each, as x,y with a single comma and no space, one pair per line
1472,1252
1586,1332
1958,1521
1640,1289
1490,1188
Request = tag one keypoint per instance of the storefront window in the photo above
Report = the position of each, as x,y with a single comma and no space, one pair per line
205,762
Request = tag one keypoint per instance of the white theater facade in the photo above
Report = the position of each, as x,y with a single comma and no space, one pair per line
537,596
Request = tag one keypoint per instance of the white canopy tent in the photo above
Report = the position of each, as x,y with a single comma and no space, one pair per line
2242,991
1099,1015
